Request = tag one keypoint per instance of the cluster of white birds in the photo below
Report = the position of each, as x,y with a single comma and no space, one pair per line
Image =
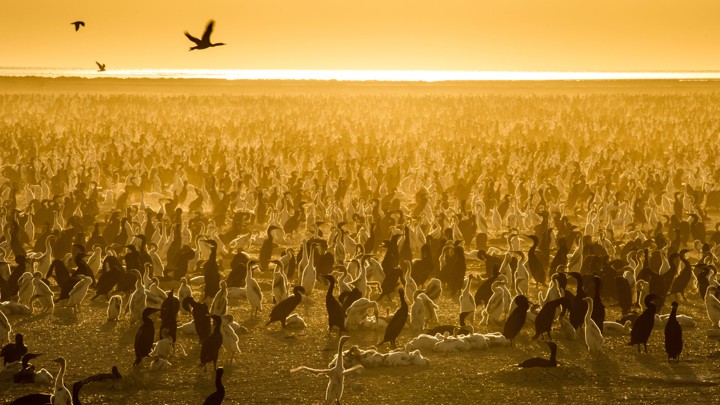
457,343
371,358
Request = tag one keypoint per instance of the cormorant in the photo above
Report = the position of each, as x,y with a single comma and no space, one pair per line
546,316
397,322
211,346
12,352
216,397
211,271
205,41
200,315
78,24
267,248
643,325
281,311
145,336
673,335
516,319
541,362
336,315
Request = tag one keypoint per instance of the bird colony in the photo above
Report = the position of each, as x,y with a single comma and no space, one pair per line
384,246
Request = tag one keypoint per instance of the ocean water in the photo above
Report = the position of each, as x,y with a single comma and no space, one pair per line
355,75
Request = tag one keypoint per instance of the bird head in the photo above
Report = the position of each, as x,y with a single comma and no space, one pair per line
343,339
651,299
210,242
149,311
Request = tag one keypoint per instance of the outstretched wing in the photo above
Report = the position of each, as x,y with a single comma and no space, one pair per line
208,31
192,38
312,370
353,368
99,65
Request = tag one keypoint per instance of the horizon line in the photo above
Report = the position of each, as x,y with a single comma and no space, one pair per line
392,75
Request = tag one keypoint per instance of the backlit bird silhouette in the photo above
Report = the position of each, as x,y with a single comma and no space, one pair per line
101,66
78,24
205,41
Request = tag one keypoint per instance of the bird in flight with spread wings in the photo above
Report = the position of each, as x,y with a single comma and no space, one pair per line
203,43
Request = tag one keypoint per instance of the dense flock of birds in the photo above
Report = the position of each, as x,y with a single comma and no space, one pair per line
531,213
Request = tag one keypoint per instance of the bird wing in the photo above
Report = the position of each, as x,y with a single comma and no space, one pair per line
312,370
208,31
192,38
256,289
99,65
353,368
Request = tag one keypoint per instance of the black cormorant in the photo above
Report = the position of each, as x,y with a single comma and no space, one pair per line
397,322
281,311
145,336
541,362
211,346
205,41
216,397
673,335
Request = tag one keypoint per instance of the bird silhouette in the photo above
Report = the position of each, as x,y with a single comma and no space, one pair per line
78,24
101,66
205,41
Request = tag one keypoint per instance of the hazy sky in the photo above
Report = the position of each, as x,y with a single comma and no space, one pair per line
569,35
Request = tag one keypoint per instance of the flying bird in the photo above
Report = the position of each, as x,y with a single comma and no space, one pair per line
77,24
205,41
101,66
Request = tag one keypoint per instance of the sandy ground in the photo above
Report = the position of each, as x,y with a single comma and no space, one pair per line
261,374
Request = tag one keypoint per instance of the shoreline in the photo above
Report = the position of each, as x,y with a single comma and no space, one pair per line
68,84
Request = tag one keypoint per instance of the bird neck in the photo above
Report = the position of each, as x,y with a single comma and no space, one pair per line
248,274
59,381
340,360
76,393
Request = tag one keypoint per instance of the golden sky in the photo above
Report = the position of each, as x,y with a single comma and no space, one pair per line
527,35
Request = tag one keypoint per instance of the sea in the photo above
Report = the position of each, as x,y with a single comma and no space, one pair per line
356,75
